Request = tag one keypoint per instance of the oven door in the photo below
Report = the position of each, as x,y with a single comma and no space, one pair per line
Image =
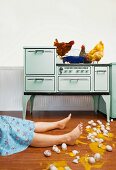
39,61
74,84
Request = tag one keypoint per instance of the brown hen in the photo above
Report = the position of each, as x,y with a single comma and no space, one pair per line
62,48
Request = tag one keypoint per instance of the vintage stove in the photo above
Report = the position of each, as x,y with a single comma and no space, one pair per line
42,75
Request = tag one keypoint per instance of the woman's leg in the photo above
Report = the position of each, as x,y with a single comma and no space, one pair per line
46,126
44,140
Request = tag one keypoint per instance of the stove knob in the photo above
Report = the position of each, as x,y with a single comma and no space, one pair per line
60,70
70,71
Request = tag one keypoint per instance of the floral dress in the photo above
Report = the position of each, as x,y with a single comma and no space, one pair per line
15,134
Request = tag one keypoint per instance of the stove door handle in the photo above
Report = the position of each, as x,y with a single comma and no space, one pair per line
100,71
79,79
76,79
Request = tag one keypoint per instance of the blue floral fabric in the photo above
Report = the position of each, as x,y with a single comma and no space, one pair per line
15,134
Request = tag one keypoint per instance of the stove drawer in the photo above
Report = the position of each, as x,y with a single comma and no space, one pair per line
101,79
40,84
74,84
39,61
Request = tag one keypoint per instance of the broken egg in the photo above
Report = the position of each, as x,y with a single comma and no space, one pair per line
47,153
52,167
55,149
64,146
97,156
96,140
75,161
105,131
107,124
75,152
90,122
91,160
98,131
100,140
93,124
95,129
108,128
67,168
94,134
99,122
108,148
88,127
78,157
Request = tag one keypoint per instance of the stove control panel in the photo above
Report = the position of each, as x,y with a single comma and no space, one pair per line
74,70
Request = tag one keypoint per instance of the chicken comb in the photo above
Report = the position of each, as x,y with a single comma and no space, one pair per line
82,46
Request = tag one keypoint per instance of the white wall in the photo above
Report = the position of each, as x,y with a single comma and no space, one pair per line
39,22
11,88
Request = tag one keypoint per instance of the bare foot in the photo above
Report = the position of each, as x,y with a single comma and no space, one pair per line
62,123
74,134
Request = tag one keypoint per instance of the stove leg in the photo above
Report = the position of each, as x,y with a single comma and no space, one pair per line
106,99
96,103
25,100
31,103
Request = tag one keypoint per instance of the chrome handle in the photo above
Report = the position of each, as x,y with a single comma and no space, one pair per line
40,51
37,79
36,51
76,79
100,71
79,79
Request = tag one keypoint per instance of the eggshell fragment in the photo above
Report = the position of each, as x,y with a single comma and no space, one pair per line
102,126
75,161
96,140
102,129
75,152
88,127
108,128
55,149
98,131
107,124
105,131
99,122
105,134
94,133
97,156
108,148
93,124
91,160
64,146
78,157
92,140
47,153
52,167
90,122
100,140
95,129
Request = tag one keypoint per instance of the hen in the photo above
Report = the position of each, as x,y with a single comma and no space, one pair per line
62,47
82,52
96,53
84,55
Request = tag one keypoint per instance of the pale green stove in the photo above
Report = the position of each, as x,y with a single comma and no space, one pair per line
42,75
